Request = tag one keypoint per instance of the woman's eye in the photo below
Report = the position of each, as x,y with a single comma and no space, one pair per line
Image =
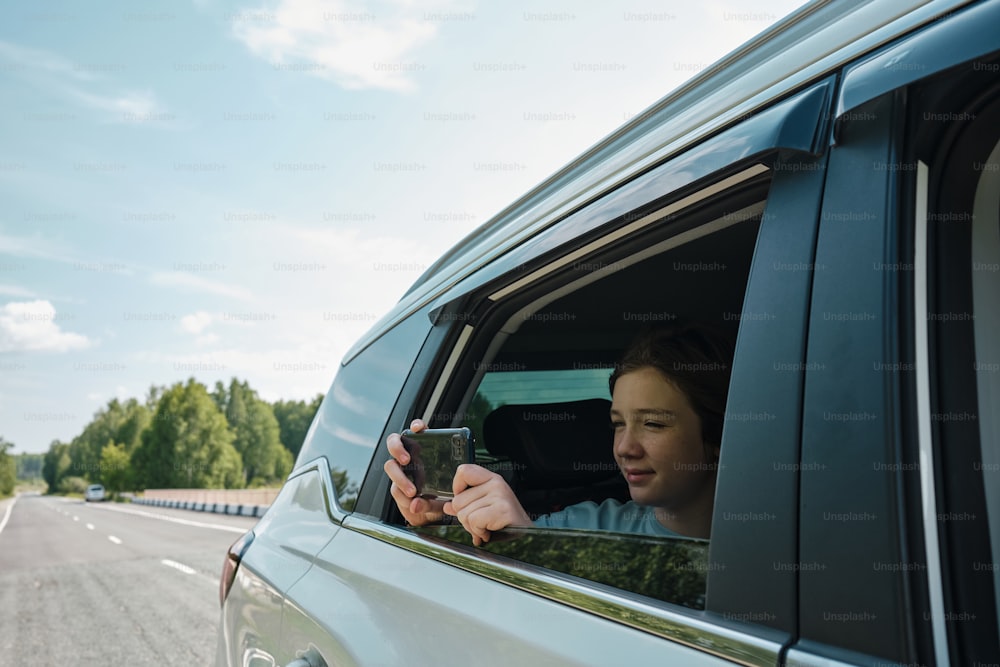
617,425
655,425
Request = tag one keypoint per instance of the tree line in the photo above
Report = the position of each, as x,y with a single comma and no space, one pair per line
8,469
182,436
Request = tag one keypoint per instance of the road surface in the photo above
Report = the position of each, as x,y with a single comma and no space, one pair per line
109,584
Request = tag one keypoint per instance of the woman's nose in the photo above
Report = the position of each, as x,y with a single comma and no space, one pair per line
626,445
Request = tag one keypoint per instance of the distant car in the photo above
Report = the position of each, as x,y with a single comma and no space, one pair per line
94,492
829,194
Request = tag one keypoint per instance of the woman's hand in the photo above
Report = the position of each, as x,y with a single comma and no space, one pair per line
417,511
484,503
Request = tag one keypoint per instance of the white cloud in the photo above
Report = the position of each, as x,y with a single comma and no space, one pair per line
39,59
123,105
198,284
358,45
14,290
35,246
66,79
195,323
31,326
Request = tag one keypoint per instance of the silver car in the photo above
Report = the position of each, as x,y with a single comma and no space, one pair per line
828,196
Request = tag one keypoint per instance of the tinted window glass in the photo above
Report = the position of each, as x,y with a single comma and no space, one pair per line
523,387
349,424
672,570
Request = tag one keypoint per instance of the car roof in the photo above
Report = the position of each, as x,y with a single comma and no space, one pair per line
818,38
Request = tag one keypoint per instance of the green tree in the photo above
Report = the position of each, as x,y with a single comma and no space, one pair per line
136,419
115,467
56,464
294,419
121,422
256,435
72,484
153,396
188,444
8,469
220,395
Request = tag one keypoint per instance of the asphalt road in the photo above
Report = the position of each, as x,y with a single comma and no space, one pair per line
110,584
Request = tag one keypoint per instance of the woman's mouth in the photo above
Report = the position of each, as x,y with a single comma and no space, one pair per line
637,475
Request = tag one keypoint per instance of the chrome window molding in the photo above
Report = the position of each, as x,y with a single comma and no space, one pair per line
603,601
799,658
924,438
336,513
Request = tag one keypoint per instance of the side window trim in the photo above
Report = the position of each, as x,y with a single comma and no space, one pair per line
705,632
925,441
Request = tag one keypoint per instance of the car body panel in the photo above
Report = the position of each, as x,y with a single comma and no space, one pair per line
429,612
295,527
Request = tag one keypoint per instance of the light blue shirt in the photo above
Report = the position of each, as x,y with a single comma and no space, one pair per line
609,515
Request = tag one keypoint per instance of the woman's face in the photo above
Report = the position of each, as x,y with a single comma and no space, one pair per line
658,444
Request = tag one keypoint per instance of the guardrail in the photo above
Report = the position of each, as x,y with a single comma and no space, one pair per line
240,502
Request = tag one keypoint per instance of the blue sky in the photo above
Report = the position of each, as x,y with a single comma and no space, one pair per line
215,189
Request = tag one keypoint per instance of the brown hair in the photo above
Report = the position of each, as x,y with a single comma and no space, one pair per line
695,359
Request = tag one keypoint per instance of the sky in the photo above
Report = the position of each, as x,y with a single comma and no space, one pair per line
218,189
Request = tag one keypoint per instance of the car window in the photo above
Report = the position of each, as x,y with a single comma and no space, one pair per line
532,382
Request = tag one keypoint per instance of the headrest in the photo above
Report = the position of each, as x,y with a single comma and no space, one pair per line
552,444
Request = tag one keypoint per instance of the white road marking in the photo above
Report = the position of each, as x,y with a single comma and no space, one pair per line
76,518
183,522
6,514
90,526
114,539
178,566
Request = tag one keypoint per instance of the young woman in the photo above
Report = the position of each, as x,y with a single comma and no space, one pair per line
667,411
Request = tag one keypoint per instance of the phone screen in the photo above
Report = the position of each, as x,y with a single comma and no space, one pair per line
435,455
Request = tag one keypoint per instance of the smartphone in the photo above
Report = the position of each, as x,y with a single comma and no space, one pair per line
435,455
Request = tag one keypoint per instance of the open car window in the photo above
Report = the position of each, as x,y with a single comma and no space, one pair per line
529,375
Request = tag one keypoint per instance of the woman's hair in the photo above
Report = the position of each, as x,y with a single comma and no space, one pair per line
695,359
